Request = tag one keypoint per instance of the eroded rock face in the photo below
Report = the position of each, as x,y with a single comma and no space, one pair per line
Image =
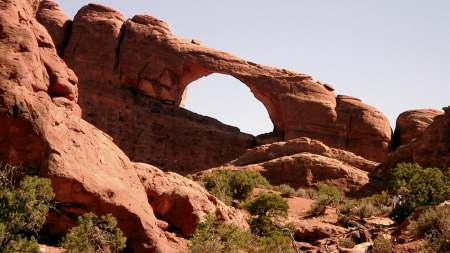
304,162
41,128
411,124
57,23
183,202
431,149
112,55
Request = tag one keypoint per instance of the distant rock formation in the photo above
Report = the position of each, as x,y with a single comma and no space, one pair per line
304,162
125,65
411,124
429,149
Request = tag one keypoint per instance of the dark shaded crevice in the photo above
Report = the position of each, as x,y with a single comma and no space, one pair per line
121,39
68,25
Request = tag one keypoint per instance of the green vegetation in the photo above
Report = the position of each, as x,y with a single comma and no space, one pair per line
94,234
417,187
326,196
286,190
24,203
381,244
213,235
228,185
267,204
433,226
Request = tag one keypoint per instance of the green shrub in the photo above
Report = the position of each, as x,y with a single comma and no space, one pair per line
301,193
319,207
381,244
311,193
433,225
286,190
24,204
332,193
94,234
213,235
417,187
347,243
267,204
234,184
348,207
364,210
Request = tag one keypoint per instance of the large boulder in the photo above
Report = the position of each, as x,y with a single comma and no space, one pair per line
430,149
126,67
411,124
304,162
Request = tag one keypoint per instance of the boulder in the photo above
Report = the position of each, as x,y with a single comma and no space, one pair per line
304,162
411,124
430,149
58,24
181,201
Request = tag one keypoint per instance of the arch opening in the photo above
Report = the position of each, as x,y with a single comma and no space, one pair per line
230,101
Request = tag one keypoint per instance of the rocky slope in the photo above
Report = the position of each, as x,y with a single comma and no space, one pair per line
41,128
134,74
116,96
303,162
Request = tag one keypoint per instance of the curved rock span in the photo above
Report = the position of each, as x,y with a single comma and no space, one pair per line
135,73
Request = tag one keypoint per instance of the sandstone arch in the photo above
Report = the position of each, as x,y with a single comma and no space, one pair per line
109,52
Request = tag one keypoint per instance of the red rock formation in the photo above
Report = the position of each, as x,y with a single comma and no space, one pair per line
41,128
431,149
182,202
411,124
141,53
57,22
304,162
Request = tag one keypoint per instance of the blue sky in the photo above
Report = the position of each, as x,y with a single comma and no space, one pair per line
394,55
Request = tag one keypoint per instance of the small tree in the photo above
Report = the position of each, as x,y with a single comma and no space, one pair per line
94,234
213,235
268,204
417,187
233,184
24,204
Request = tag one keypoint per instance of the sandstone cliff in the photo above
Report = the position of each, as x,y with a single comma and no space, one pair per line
41,128
134,73
429,149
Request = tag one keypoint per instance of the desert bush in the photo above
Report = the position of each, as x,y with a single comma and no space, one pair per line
286,190
433,225
229,184
381,244
267,204
417,187
332,193
319,207
365,209
301,193
214,235
347,206
347,243
94,234
24,203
